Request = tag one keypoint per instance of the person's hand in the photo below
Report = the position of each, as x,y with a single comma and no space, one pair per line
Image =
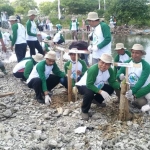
122,77
105,95
73,76
11,48
94,48
90,48
47,100
4,48
79,72
145,108
129,95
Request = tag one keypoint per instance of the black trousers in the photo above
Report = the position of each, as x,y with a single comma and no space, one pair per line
19,75
36,84
89,95
20,50
35,44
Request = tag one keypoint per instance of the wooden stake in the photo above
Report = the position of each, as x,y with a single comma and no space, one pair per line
6,94
69,85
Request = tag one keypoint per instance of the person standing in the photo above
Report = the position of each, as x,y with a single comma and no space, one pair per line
18,38
2,67
31,34
101,37
74,28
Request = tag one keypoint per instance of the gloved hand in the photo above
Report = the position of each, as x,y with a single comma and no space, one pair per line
73,76
89,48
47,100
106,96
145,108
122,77
129,95
94,48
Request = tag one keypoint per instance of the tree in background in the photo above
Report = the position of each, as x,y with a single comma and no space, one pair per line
9,9
128,10
22,6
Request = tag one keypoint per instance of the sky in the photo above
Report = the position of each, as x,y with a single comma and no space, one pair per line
37,1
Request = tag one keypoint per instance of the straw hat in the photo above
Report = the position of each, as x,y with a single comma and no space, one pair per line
138,47
51,55
32,12
12,18
38,57
106,58
119,46
92,16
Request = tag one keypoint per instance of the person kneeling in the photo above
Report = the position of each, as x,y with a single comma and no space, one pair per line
81,68
41,79
97,84
23,69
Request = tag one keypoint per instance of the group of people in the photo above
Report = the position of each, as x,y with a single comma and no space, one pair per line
97,82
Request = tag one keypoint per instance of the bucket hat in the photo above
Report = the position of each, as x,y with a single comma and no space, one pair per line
12,18
51,55
119,46
92,16
106,58
32,12
38,57
138,47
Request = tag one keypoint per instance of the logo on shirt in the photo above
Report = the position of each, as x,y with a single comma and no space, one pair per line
100,85
133,78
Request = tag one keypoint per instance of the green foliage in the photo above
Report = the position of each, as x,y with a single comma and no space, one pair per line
9,9
24,5
47,8
127,10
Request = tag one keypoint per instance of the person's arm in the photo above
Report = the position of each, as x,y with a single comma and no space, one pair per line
84,67
142,79
57,71
2,42
106,34
62,38
91,78
14,33
28,68
66,66
112,79
28,25
41,69
116,59
70,25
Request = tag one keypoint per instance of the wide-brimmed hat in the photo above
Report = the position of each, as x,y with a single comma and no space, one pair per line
38,57
72,51
51,55
92,16
107,58
73,18
32,12
119,46
12,18
138,47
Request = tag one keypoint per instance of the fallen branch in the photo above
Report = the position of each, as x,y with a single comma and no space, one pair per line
6,94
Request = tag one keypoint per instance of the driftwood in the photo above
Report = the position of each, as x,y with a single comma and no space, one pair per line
6,94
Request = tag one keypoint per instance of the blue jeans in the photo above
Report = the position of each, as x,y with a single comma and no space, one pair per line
64,81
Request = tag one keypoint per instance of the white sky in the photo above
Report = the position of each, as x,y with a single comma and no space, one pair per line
37,1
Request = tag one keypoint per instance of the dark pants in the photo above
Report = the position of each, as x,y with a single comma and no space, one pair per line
64,81
19,75
20,50
89,95
36,84
59,42
35,44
